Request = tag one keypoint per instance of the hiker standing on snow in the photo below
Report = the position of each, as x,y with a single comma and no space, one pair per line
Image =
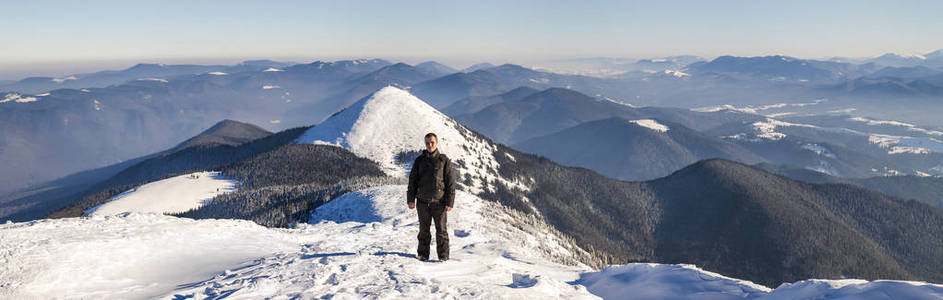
432,185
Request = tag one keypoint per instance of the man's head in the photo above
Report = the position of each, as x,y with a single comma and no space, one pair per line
432,142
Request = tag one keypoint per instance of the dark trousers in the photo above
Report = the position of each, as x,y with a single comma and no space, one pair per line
429,212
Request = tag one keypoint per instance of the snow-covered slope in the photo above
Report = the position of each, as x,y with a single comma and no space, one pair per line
651,124
658,281
129,256
365,246
171,195
359,246
392,121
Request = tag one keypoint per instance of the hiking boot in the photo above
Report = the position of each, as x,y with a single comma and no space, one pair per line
422,258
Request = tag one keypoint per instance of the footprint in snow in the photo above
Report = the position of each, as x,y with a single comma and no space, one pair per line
332,280
523,281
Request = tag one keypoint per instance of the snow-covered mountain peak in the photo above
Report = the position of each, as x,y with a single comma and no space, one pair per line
389,127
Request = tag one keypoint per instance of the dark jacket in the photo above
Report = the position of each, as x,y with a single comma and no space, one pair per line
431,179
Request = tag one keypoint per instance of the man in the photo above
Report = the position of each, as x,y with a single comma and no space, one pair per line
431,192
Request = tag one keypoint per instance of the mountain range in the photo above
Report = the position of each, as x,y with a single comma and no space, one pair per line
720,215
131,117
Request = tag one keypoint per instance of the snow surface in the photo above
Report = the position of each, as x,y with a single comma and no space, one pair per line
17,98
907,55
365,245
905,144
856,289
755,109
881,122
153,79
269,87
910,127
782,114
651,124
658,281
171,195
842,111
61,80
619,102
767,129
392,121
130,256
272,70
357,246
218,73
678,74
360,245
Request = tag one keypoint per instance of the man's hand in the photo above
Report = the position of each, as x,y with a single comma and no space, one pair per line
412,205
448,208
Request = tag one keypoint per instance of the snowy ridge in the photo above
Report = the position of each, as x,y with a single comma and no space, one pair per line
171,195
365,243
609,99
754,109
905,144
17,98
358,246
650,124
391,121
153,79
767,130
61,80
910,127
678,74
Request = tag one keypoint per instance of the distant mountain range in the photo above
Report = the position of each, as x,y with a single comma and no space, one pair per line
477,103
554,109
106,78
54,128
575,129
928,190
633,149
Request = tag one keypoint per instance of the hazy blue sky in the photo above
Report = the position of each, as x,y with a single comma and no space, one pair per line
42,36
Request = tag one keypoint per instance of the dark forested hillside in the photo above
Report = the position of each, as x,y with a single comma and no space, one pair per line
742,221
736,220
166,165
280,182
226,132
283,186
